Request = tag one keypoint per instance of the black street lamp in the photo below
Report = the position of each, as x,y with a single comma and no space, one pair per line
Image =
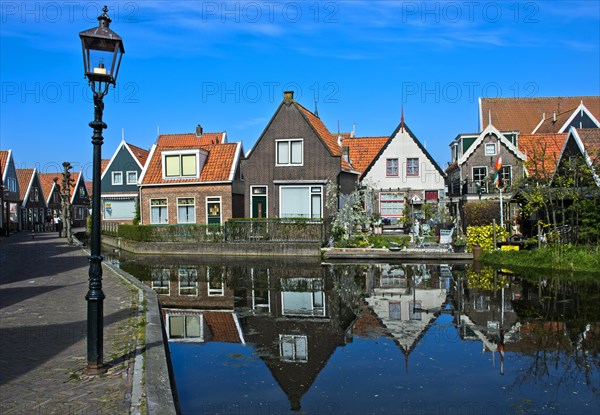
101,46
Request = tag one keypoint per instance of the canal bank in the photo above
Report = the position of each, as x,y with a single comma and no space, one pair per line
43,330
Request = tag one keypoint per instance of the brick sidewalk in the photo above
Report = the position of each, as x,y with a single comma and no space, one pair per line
43,349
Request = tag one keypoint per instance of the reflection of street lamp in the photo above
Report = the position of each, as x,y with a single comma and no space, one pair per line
100,46
66,199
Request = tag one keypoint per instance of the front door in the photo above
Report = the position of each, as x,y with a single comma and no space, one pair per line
259,202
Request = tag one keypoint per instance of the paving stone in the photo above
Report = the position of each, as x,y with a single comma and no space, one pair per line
43,283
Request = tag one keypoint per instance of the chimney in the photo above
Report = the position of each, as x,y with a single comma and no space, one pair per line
554,117
198,131
288,96
353,133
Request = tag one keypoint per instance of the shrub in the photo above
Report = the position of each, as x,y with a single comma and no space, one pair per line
484,236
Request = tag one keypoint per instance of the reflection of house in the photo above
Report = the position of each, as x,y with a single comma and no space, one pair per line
191,178
120,182
305,325
193,325
407,299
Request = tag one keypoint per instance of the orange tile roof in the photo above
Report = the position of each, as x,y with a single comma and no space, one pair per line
330,140
3,162
24,178
524,114
551,126
139,153
542,151
47,183
216,168
222,326
190,139
362,150
103,165
590,137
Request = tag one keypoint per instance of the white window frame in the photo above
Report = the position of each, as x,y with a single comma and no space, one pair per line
418,173
506,174
185,317
482,181
190,277
490,146
166,205
312,190
289,142
180,153
127,177
159,276
215,292
401,199
293,339
179,220
115,174
387,167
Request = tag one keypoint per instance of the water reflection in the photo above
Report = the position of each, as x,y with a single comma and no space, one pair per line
309,335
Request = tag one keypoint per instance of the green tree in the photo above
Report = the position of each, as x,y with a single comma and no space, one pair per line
349,211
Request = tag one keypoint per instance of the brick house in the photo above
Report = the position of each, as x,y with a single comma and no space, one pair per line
191,178
119,182
51,192
286,172
399,169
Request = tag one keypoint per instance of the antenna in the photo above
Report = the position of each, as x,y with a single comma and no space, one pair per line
316,109
490,117
123,134
402,120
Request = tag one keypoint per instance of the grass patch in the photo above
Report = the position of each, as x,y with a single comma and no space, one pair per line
564,258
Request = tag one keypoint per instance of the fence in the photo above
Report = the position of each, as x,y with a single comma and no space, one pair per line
235,230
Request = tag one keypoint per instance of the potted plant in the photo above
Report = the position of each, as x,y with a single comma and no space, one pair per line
459,243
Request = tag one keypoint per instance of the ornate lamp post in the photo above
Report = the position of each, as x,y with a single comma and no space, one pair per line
102,53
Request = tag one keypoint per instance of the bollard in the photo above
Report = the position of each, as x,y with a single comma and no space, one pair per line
476,252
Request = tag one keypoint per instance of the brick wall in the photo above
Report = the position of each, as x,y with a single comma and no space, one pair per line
199,192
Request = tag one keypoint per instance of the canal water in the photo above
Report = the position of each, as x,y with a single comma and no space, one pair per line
297,336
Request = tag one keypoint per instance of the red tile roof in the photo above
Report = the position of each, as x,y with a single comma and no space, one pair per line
217,166
3,162
590,137
139,153
524,114
362,150
330,140
222,326
542,151
553,123
24,177
103,165
47,183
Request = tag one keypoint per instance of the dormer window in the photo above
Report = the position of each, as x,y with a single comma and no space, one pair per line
177,164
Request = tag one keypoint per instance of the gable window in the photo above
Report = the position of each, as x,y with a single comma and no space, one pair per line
412,166
132,177
391,167
186,210
293,347
289,152
117,178
394,308
415,310
12,184
180,165
391,204
490,149
158,211
81,191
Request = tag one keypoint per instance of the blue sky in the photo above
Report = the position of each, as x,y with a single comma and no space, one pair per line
225,65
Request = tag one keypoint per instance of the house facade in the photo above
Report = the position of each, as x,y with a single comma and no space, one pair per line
191,178
10,193
287,171
119,183
80,201
33,204
400,170
51,190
